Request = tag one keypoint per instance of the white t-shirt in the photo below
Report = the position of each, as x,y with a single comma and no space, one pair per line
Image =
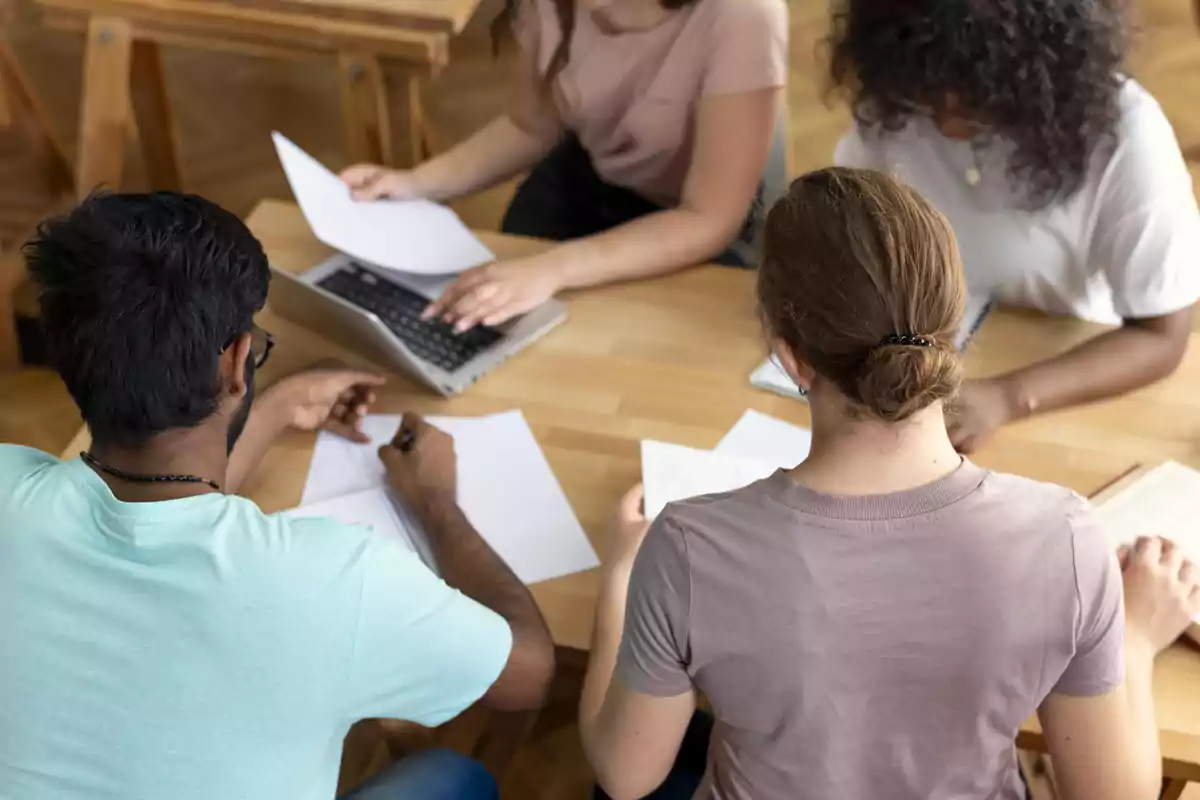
1125,245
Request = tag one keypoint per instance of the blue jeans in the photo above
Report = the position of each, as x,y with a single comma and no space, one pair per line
430,775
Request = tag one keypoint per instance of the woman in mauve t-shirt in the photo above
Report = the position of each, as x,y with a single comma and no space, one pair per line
647,125
878,621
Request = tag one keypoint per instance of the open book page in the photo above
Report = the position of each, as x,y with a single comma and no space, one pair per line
1164,501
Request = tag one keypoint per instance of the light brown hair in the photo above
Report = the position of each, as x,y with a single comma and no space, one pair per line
852,261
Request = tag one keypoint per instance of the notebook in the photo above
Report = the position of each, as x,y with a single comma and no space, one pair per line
1163,500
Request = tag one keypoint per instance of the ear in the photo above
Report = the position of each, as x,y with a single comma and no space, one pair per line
800,372
233,367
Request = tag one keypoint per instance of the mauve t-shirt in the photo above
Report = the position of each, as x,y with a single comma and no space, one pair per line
631,98
874,647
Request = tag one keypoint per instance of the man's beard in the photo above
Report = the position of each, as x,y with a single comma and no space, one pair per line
238,423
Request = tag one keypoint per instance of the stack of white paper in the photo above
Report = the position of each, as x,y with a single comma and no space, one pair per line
412,236
754,448
505,487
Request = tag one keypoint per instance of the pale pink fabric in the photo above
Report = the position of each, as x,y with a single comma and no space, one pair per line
631,98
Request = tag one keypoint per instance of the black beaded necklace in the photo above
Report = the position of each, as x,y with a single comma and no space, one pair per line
133,477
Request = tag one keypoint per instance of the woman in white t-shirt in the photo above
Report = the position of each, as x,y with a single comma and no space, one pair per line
1062,178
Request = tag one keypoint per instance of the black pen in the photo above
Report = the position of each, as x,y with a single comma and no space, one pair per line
405,440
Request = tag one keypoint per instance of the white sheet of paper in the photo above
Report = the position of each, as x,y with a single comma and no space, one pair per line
768,440
413,236
373,508
673,472
505,487
770,376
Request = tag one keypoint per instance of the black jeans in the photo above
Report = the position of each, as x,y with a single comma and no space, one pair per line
564,198
688,770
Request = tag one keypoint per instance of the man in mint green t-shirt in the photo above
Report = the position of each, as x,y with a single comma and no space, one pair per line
161,637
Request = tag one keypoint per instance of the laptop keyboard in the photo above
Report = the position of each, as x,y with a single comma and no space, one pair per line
400,310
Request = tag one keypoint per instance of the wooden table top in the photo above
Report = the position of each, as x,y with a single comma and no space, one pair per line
669,359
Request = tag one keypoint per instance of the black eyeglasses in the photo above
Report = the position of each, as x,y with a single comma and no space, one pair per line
261,344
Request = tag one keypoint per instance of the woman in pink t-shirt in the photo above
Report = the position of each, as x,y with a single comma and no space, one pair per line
647,124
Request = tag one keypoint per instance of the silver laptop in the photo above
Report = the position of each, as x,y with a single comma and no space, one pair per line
376,312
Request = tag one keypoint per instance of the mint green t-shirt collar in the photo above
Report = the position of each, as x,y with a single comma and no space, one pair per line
190,509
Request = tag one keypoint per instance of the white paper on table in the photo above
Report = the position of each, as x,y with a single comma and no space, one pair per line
770,376
412,236
767,440
673,472
505,487
376,509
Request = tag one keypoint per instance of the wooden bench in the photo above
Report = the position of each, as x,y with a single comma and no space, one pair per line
125,95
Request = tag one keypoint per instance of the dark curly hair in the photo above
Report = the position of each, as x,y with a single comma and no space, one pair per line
1044,75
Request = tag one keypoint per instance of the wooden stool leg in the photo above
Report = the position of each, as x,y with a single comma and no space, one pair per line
24,109
106,104
155,123
1173,789
11,272
418,129
365,113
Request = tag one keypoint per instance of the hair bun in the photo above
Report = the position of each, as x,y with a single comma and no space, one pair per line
898,380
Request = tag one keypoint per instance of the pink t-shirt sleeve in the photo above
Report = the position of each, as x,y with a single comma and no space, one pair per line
654,648
1098,665
749,47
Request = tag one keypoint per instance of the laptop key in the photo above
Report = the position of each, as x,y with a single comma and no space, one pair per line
400,309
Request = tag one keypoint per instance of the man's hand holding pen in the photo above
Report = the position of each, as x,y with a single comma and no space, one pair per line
421,466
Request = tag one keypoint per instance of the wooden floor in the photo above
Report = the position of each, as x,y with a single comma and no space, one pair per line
227,105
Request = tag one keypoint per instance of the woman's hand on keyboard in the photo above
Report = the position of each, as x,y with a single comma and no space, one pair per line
495,293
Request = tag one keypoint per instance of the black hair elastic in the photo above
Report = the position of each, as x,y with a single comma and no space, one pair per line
907,340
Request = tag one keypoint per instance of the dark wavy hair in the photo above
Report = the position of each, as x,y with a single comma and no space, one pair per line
566,21
1045,75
